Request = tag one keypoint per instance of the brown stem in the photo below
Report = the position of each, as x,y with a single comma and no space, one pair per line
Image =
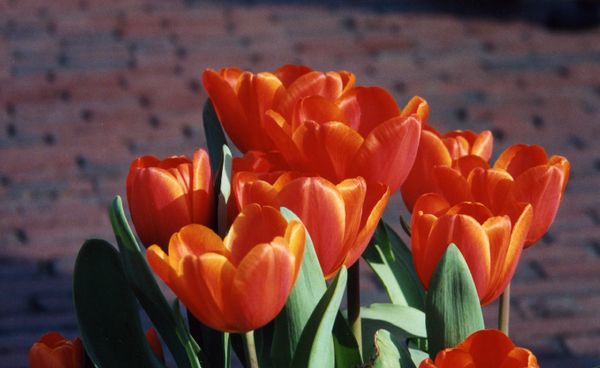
504,311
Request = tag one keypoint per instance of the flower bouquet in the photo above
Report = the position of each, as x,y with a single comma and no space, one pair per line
260,249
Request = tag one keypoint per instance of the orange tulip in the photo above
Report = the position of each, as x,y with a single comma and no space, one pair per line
538,180
491,245
166,195
53,351
241,98
483,349
457,149
319,122
339,218
238,283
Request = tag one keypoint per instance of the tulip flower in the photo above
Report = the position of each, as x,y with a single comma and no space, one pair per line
238,283
339,218
458,149
483,349
155,345
319,122
490,244
166,195
53,351
241,98
538,180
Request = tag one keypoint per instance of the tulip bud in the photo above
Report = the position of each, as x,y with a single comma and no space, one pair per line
166,195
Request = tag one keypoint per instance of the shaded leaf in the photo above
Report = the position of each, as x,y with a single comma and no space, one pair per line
390,352
142,282
345,346
106,310
215,137
407,321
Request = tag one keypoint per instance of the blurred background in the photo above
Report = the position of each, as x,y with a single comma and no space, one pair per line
86,86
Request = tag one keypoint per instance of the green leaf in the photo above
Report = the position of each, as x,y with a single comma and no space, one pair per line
306,293
391,261
345,346
106,310
390,352
215,138
215,343
142,282
315,348
406,321
224,191
452,305
417,355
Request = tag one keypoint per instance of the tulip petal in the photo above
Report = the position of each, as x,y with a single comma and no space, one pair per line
455,358
321,208
254,225
353,192
487,347
327,148
483,145
417,106
205,287
288,73
468,163
469,237
541,186
519,358
420,180
317,109
280,133
490,187
194,239
160,263
498,231
377,197
263,281
230,111
520,157
202,206
564,166
452,185
328,85
247,189
388,152
367,107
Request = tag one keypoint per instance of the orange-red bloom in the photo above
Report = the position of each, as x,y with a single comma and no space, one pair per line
319,122
483,349
339,218
238,283
53,351
166,195
241,98
491,245
538,180
457,149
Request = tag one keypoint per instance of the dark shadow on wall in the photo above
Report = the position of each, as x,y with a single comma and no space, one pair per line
558,15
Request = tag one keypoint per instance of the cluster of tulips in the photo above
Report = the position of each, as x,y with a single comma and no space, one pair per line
260,249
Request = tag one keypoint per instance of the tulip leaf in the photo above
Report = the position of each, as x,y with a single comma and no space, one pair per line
215,137
306,293
224,191
345,346
107,312
452,304
215,343
417,355
142,282
315,348
391,260
401,319
390,352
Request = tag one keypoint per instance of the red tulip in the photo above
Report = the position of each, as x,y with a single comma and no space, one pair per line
490,244
483,349
241,98
166,195
53,351
339,218
538,180
238,283
456,149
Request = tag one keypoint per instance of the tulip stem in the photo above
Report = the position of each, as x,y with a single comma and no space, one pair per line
251,358
504,311
353,300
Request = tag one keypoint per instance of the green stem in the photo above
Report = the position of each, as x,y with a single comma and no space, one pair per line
353,295
504,311
251,357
